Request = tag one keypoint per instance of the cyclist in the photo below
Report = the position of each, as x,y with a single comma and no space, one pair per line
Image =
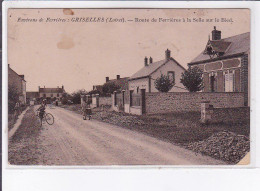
41,110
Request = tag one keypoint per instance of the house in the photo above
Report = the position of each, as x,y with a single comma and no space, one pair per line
51,93
18,82
122,83
146,76
225,63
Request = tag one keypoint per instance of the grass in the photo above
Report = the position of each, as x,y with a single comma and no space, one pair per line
23,147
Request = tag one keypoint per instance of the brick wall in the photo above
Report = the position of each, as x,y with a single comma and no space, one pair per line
186,101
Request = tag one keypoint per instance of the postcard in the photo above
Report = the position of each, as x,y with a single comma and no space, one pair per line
128,87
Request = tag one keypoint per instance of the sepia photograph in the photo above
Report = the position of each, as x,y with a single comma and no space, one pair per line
128,87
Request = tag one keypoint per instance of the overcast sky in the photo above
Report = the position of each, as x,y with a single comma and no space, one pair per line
80,55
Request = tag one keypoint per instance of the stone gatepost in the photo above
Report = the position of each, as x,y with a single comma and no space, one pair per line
206,112
97,100
82,99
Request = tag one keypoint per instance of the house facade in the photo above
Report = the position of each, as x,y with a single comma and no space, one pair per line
226,64
18,82
51,93
146,76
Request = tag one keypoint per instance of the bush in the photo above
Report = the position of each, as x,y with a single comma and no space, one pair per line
110,87
192,79
76,96
163,83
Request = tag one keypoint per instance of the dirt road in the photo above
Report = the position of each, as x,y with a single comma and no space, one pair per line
73,141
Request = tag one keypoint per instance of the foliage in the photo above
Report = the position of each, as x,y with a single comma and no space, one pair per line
76,96
164,83
94,92
192,79
13,97
110,87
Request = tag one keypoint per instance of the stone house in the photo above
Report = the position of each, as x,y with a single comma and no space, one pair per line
146,76
225,63
51,93
18,82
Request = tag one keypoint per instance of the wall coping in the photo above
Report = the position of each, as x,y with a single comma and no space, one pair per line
149,93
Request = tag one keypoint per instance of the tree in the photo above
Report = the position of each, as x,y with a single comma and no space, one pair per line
13,97
110,87
76,96
164,83
192,79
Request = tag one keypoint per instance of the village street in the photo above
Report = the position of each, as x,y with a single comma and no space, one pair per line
73,141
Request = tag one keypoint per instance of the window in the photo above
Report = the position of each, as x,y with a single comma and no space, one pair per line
51,95
213,82
171,75
58,95
44,95
229,81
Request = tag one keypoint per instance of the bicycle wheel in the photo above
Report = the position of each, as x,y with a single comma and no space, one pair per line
49,118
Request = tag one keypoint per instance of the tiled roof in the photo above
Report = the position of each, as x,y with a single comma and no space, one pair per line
51,90
238,44
147,70
219,46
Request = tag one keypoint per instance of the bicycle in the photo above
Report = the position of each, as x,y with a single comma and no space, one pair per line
47,117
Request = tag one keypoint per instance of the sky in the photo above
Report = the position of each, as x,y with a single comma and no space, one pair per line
79,55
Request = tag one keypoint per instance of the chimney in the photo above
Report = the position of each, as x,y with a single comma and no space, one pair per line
145,61
107,79
93,87
216,35
43,86
117,77
62,87
167,54
57,86
39,88
150,60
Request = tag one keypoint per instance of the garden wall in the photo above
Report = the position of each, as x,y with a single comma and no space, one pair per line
105,101
186,101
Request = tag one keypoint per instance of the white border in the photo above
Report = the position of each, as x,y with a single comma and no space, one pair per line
20,174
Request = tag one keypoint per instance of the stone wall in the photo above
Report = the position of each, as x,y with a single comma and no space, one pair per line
186,101
105,101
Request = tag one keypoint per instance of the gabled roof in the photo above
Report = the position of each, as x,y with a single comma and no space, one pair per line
51,90
219,46
231,46
151,68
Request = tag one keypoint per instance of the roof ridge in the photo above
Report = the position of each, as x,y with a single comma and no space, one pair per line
234,36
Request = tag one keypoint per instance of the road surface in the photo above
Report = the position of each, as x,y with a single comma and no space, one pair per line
73,141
